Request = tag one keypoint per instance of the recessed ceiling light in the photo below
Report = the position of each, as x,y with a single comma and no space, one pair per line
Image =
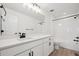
64,13
35,7
51,10
59,24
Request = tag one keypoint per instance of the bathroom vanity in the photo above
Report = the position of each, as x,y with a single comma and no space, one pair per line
35,46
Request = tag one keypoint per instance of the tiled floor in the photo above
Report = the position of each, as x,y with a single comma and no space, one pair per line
64,52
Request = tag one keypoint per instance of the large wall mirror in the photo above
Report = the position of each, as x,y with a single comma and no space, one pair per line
8,21
19,20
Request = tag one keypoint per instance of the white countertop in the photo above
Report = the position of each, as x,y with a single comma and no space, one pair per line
15,41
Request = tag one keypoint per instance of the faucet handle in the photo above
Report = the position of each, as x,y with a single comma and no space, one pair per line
19,32
77,37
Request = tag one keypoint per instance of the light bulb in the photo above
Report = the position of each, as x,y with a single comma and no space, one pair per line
33,7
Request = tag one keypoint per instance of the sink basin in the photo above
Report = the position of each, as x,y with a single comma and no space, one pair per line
25,38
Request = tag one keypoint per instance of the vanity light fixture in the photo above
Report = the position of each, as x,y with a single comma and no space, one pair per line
34,6
2,7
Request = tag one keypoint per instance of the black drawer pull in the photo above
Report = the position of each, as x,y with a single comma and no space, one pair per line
29,54
32,53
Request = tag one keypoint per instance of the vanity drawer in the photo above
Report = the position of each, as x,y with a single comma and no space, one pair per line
14,50
17,49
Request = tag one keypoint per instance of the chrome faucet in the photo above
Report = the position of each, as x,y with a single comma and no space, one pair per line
22,35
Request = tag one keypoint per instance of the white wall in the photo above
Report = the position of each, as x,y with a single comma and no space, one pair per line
18,22
47,25
66,30
63,31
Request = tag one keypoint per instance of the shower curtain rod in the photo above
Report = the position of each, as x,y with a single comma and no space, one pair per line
65,17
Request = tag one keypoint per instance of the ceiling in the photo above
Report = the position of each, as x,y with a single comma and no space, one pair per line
60,9
19,7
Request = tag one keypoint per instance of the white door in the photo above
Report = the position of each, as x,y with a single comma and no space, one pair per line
37,51
24,53
66,30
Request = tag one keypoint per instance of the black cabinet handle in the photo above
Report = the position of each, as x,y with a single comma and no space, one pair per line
32,53
29,54
49,43
77,37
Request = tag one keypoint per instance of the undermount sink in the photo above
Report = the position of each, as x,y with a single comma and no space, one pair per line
29,38
25,38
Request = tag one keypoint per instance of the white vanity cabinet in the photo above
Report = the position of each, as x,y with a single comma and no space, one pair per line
37,51
51,45
17,50
39,47
48,46
46,49
14,50
24,53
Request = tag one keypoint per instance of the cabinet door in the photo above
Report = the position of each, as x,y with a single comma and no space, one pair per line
51,46
37,51
15,50
46,49
24,53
